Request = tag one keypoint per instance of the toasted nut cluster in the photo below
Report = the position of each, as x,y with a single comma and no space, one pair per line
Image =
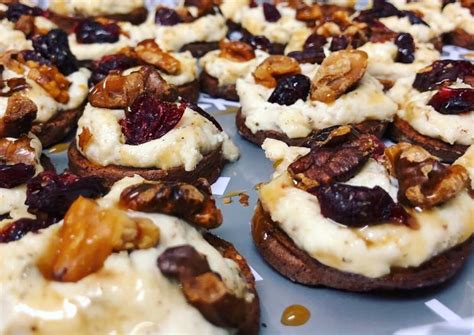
13,61
149,52
337,74
273,67
203,288
192,203
309,13
89,235
424,181
49,78
236,51
117,91
19,116
17,151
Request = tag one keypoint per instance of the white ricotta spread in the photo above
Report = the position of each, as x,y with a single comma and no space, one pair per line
382,64
460,16
128,295
232,9
366,102
93,51
373,250
228,71
13,39
185,145
297,39
280,31
94,7
414,108
209,28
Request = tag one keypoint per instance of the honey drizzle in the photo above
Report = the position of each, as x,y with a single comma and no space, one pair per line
60,147
295,315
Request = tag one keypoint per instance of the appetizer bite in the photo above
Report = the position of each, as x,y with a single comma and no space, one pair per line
296,103
351,215
149,239
436,108
134,124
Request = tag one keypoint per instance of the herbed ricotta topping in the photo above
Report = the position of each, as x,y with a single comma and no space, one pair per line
94,7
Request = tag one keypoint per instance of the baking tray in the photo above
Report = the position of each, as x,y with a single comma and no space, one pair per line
332,311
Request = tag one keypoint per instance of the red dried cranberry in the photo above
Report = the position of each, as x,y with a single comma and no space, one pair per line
290,89
256,41
19,228
406,48
453,100
271,13
358,206
15,10
53,194
380,8
54,47
102,67
201,111
444,72
339,43
149,118
167,17
314,41
14,175
90,31
312,55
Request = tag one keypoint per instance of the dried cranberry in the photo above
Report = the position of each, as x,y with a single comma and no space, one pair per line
167,17
102,67
312,55
52,194
149,118
256,41
271,13
14,175
16,10
339,43
358,206
380,9
290,89
444,72
54,47
453,100
202,112
406,48
19,228
314,41
90,31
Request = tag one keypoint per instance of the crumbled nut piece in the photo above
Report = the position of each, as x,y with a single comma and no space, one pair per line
9,60
338,72
12,85
17,151
117,91
328,29
309,13
89,235
203,288
84,138
424,181
25,24
19,116
149,52
236,51
192,203
268,72
51,80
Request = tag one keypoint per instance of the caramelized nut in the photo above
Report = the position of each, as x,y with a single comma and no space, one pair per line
17,151
84,138
273,67
309,13
236,51
339,72
19,116
51,80
149,52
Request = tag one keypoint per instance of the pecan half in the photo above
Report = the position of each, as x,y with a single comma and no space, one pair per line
149,52
236,51
424,181
17,151
118,91
19,116
338,72
51,80
274,67
203,288
332,161
191,203
89,235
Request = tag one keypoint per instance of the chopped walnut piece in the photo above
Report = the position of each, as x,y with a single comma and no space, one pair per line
309,13
339,72
51,80
17,151
191,203
149,52
9,60
118,91
89,235
84,138
236,51
13,85
333,161
203,288
423,180
274,67
19,116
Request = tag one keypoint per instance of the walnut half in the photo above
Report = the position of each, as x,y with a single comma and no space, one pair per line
274,67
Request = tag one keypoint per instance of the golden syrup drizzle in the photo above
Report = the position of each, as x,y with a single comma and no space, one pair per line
60,147
243,197
295,315
229,110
